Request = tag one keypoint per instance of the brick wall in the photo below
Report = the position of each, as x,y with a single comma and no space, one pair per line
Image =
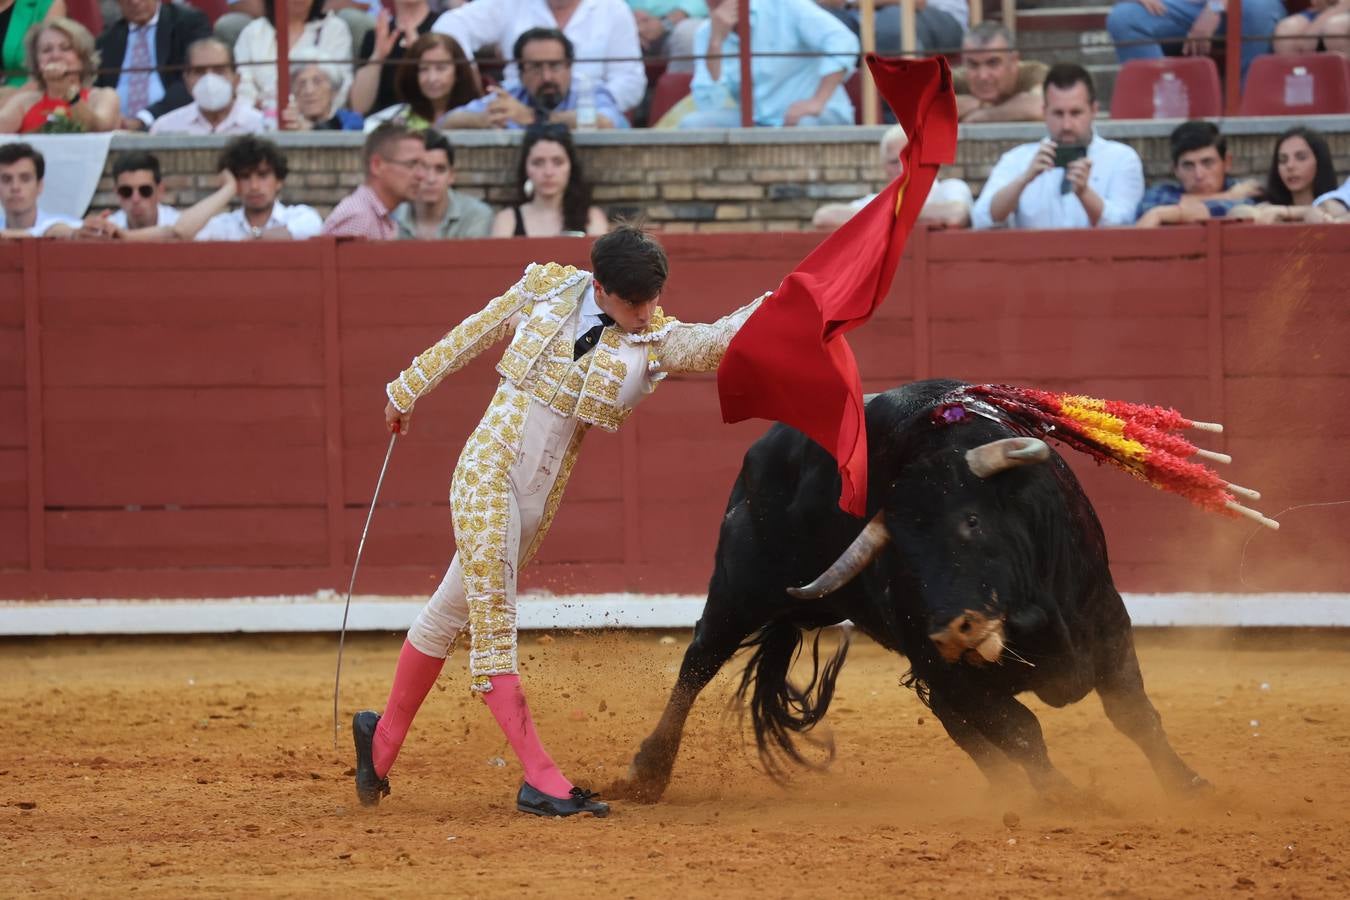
757,180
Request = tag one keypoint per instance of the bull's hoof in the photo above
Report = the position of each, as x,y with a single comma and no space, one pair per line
636,790
1075,799
1195,786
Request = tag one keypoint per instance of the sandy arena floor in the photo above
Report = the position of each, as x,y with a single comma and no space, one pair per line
205,766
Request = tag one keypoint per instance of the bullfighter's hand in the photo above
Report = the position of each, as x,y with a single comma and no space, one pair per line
396,421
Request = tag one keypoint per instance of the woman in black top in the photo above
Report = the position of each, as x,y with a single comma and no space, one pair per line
553,197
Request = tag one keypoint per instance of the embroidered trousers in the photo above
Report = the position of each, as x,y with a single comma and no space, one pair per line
503,496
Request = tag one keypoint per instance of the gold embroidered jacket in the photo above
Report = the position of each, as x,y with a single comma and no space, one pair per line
539,357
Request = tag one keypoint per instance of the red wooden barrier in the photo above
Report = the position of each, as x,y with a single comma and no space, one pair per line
206,420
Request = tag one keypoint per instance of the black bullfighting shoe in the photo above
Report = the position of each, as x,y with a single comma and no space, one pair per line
369,786
537,803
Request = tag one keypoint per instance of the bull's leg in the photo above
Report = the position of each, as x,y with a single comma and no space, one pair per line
1012,728
717,636
1121,688
989,758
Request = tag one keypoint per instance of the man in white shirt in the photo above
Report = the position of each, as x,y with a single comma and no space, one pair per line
259,167
948,202
1072,179
21,172
212,80
140,192
598,29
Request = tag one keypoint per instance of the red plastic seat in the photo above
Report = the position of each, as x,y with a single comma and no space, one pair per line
1183,87
671,88
1307,85
87,13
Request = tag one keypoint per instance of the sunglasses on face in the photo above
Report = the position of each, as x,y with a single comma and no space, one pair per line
145,190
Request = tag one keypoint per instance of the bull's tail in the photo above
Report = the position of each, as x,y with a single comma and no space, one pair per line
780,709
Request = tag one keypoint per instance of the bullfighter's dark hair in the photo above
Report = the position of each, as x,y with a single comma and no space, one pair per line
630,264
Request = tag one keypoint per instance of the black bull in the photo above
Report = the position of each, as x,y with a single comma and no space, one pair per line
986,569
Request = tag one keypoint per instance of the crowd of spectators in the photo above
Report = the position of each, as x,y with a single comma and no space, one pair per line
407,193
510,63
405,71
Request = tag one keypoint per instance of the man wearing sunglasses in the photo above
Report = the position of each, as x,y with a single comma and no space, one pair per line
140,193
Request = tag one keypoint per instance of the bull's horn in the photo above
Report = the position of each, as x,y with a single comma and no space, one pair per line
864,548
995,456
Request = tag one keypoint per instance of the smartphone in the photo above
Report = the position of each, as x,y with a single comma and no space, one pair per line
1067,153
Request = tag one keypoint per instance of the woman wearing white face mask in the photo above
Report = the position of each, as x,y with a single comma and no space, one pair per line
215,109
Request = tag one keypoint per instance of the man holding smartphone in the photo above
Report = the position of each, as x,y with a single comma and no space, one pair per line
1074,178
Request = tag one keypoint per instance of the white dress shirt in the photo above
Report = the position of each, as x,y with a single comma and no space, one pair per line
300,220
1117,177
242,119
156,94
167,216
42,223
598,29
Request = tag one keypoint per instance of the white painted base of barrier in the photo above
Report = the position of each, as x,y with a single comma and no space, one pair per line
322,612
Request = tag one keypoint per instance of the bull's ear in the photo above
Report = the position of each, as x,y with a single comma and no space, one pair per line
1008,453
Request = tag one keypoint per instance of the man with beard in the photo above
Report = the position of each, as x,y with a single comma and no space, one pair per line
259,167
544,93
1073,178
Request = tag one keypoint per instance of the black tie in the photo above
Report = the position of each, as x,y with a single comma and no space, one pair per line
587,340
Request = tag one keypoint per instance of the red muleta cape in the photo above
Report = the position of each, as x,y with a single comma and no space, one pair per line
790,361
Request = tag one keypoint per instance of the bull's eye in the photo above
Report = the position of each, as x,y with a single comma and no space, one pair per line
972,521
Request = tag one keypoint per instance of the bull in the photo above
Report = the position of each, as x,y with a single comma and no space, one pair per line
983,563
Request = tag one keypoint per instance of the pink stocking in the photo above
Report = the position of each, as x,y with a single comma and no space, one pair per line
507,703
413,678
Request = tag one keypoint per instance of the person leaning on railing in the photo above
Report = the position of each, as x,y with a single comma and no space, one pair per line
1301,170
62,62
545,93
435,79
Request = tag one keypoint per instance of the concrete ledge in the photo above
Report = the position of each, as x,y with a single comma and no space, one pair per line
322,612
1123,129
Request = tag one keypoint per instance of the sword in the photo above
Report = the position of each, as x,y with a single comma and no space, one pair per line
342,636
